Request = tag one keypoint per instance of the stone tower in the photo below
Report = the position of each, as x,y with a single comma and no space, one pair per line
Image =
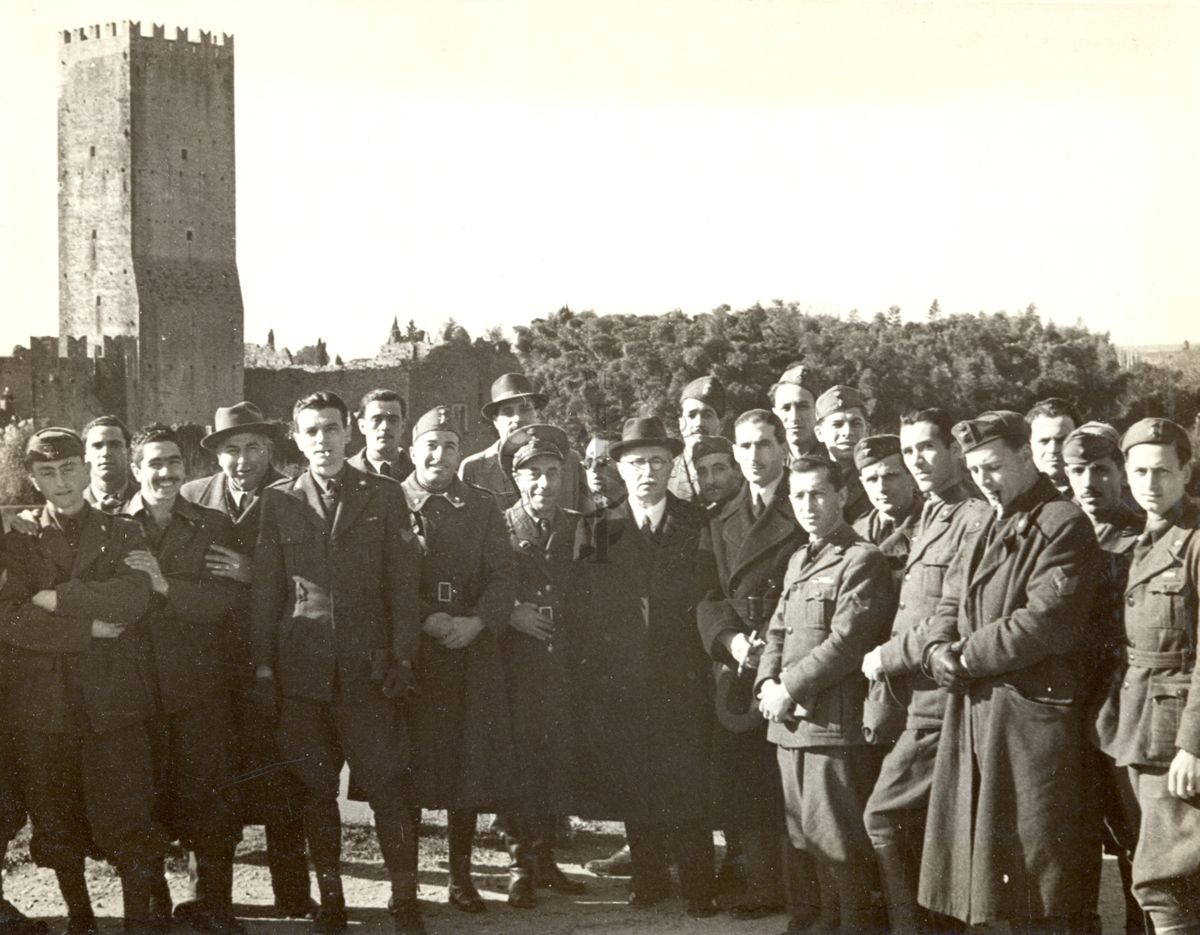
146,209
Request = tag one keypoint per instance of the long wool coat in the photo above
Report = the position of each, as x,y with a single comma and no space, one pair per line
460,720
1002,840
536,671
643,701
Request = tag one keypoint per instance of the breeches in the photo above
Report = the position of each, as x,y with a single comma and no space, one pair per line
1166,864
825,791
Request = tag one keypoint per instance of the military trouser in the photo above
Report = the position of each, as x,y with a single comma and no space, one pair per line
91,795
12,800
1166,864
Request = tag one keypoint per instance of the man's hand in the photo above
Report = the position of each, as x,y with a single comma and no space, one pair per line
1183,778
25,522
945,665
47,600
526,619
774,702
264,697
399,682
872,664
463,631
226,563
746,650
141,560
103,630
437,625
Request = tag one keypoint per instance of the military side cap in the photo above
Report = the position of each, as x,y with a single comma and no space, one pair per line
1157,432
542,432
1092,441
875,448
54,443
511,386
643,433
437,419
709,390
988,426
838,399
238,418
801,376
707,445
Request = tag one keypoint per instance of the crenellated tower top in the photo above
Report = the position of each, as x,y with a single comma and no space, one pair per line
133,29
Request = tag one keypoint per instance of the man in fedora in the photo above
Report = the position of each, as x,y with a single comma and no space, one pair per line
244,441
381,415
641,673
515,403
794,400
701,406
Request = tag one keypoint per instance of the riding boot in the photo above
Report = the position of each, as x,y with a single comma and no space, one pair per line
460,833
897,888
546,873
801,891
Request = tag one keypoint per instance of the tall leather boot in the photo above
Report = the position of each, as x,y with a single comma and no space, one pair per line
856,914
396,828
520,870
288,866
322,825
801,890
546,873
898,894
460,834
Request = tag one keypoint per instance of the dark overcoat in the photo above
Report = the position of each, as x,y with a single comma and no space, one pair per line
536,672
751,557
460,721
1002,840
836,606
59,679
643,699
334,604
187,629
487,469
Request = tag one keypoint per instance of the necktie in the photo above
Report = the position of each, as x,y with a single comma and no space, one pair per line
648,530
759,506
111,503
329,495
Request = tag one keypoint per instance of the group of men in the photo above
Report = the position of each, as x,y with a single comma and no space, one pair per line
920,681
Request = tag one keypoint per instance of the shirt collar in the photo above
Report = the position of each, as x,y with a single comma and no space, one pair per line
655,513
767,493
417,496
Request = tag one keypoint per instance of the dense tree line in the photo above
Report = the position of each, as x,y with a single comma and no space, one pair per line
598,369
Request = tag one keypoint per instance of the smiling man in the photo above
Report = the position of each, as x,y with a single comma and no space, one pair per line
1155,705
381,415
335,636
191,732
1002,840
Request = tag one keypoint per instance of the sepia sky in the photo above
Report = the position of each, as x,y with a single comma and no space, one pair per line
493,161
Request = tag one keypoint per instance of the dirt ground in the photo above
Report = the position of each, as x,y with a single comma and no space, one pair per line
601,909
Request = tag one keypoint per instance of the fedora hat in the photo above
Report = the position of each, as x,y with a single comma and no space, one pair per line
644,432
511,386
240,417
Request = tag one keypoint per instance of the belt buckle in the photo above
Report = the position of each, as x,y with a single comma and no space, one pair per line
547,612
445,592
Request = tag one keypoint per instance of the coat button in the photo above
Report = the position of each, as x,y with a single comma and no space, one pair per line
789,629
908,577
901,605
1130,601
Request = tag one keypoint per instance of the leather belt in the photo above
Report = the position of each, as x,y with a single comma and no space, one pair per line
1177,659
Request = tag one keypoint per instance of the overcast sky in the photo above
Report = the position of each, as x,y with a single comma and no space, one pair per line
493,161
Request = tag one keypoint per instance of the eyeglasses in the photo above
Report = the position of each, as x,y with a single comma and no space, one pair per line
641,464
589,463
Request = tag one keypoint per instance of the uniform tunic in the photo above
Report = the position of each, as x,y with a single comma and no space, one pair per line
1155,712
78,705
461,725
536,671
1002,837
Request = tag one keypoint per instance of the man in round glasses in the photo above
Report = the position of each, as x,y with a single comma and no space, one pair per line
605,487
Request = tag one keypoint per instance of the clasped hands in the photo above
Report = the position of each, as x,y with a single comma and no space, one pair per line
945,666
452,632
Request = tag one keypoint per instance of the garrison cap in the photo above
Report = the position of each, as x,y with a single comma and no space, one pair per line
838,399
1157,432
53,443
799,375
707,445
437,419
1092,441
642,433
988,426
708,390
547,439
875,448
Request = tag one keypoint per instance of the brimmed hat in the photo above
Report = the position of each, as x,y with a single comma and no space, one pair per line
53,443
838,399
511,386
708,390
642,433
874,448
988,426
240,417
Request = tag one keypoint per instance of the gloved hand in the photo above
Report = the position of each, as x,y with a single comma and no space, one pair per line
399,683
264,698
946,668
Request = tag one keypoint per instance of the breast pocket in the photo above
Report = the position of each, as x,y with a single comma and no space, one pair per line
818,604
1168,695
1168,597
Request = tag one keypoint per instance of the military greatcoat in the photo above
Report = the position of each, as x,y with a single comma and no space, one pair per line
536,671
643,697
1002,835
461,725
